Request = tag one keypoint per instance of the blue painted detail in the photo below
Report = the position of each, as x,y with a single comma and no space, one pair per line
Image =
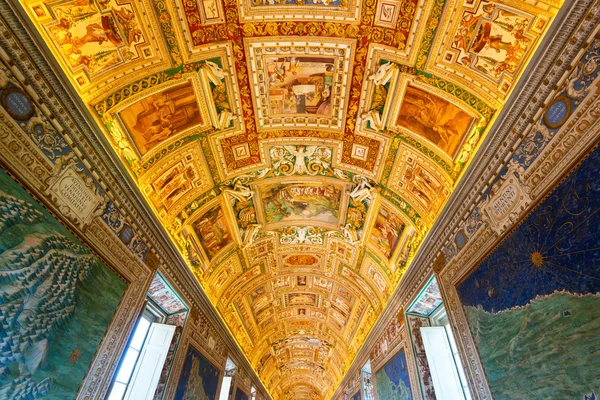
392,381
557,112
198,379
533,304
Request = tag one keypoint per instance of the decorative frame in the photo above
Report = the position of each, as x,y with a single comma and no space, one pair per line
444,63
190,156
89,88
408,157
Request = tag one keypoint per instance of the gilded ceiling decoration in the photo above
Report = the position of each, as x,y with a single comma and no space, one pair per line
297,152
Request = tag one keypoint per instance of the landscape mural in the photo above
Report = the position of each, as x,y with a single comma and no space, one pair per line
392,380
296,201
198,380
160,116
533,303
53,317
213,231
433,118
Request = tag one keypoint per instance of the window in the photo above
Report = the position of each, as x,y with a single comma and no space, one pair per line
367,382
253,393
131,355
228,382
144,357
447,372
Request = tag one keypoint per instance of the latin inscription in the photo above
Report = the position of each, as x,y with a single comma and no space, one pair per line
504,203
75,193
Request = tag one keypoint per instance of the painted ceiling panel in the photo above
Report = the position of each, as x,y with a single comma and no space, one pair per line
297,152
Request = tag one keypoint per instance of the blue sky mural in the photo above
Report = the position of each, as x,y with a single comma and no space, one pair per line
199,379
533,303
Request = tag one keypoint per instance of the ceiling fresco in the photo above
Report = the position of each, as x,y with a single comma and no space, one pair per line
297,152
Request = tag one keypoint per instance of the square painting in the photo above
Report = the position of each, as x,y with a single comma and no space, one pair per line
95,37
386,232
435,119
213,231
53,319
299,84
159,117
198,379
393,381
313,202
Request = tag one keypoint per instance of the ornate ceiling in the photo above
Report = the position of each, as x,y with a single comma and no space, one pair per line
297,152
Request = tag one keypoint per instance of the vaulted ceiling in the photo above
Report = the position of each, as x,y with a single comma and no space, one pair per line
296,151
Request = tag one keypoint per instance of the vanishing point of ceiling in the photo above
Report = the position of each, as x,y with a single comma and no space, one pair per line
296,151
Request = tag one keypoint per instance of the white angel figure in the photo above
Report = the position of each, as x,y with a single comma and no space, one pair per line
383,73
239,188
214,73
301,153
362,190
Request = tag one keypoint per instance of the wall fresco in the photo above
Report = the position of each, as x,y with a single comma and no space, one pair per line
426,384
530,304
53,318
198,380
392,381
